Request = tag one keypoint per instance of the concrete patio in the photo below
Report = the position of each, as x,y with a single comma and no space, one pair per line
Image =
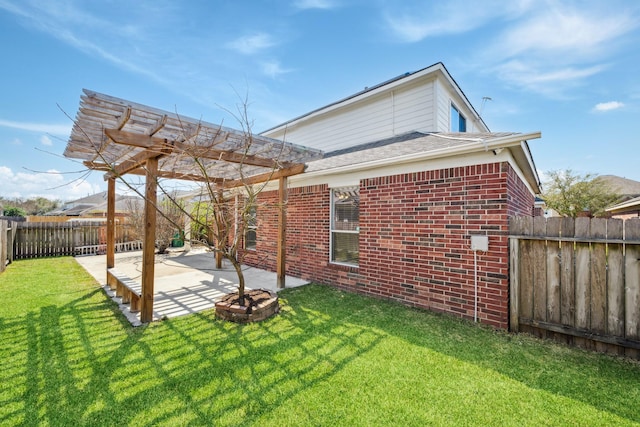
185,282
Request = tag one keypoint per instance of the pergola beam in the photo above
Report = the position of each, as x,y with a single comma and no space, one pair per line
191,150
158,127
268,176
124,118
99,166
137,160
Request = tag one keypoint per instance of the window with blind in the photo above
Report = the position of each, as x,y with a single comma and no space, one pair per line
345,225
251,230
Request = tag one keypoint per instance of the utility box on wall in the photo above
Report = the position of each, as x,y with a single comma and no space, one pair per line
480,243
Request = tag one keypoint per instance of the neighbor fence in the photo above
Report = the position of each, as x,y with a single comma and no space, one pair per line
42,239
6,243
577,280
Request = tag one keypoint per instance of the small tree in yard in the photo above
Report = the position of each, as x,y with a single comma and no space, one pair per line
570,194
169,222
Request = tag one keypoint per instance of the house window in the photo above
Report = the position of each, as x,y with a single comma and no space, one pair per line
251,228
345,225
458,121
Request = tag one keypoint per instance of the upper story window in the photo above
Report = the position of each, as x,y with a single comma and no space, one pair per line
345,225
458,121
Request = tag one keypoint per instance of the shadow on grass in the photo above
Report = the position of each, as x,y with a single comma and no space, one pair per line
81,363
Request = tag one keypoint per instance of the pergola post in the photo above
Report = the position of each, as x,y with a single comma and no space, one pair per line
187,232
218,218
149,245
281,261
111,224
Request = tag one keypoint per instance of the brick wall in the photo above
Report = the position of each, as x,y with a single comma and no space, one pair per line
414,238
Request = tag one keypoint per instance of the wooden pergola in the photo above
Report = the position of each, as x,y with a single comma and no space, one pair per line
121,137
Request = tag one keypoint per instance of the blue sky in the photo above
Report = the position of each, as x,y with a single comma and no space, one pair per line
570,69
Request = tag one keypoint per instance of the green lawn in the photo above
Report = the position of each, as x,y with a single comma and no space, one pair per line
330,358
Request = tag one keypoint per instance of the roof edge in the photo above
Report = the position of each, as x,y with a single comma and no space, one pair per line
438,66
511,141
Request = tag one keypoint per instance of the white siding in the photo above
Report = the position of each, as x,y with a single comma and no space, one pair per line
443,112
422,104
389,113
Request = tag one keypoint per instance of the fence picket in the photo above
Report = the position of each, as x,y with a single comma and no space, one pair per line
567,280
632,280
4,243
615,279
539,269
553,262
582,274
524,225
598,277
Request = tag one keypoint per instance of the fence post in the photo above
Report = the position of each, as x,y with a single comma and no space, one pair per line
514,290
4,243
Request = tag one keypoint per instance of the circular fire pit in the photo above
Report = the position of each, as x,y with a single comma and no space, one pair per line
259,304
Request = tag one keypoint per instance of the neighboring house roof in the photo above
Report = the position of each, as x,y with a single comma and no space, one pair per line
629,206
388,84
623,186
420,147
96,203
123,204
91,200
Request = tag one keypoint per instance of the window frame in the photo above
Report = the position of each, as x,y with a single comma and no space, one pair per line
251,224
333,230
461,119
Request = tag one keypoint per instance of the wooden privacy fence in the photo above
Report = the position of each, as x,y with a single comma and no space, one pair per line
41,239
577,280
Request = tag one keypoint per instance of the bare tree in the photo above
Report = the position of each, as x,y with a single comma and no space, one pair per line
226,211
170,222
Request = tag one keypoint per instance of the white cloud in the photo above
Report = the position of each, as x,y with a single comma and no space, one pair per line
543,46
45,140
567,33
314,4
273,69
51,184
608,106
539,77
557,46
55,129
91,34
250,44
421,20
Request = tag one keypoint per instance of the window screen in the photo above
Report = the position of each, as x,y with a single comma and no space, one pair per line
345,225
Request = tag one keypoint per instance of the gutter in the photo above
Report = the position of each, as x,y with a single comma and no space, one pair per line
471,147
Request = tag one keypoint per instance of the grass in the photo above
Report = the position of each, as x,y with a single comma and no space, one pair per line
67,357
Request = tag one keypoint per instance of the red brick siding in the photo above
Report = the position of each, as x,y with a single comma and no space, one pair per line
521,201
414,238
